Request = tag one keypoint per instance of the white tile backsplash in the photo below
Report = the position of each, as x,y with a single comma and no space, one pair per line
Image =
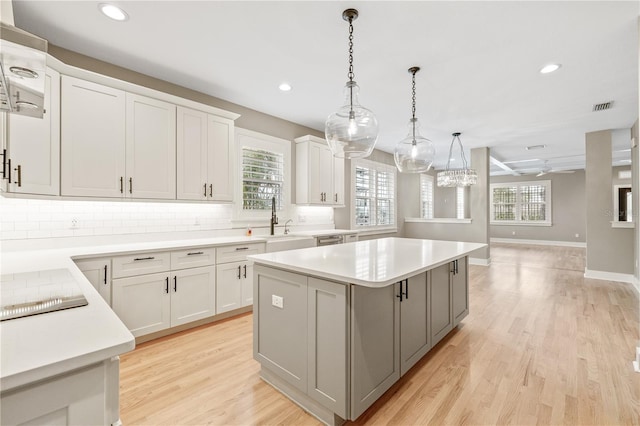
26,218
32,218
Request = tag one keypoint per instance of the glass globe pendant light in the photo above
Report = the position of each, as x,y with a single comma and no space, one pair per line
414,153
352,131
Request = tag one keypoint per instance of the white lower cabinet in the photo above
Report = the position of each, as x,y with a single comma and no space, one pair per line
98,272
234,280
194,295
143,302
86,396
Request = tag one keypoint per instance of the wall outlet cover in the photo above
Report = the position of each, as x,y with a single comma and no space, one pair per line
277,301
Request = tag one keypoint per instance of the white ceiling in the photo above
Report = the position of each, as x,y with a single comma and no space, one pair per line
479,61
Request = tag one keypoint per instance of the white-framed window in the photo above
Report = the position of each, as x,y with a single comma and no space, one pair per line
264,165
460,202
373,196
426,196
521,203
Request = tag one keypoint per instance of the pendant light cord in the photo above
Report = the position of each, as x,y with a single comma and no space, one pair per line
464,158
413,105
350,74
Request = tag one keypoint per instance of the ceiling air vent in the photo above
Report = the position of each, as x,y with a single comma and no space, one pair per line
603,106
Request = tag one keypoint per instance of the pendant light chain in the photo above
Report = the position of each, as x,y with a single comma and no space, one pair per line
350,74
413,105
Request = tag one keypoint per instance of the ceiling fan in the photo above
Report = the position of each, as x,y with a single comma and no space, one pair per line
546,169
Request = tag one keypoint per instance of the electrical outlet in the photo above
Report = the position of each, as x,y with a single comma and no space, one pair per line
74,223
277,301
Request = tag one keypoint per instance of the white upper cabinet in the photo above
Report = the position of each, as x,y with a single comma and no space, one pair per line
93,139
150,148
205,149
34,145
116,144
319,176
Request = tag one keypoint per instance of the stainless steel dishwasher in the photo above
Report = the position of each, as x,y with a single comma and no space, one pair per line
328,240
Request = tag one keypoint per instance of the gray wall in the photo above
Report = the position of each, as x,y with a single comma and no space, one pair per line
635,189
608,249
568,212
478,230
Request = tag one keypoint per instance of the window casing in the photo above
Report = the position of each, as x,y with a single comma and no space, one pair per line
426,196
521,203
373,195
264,165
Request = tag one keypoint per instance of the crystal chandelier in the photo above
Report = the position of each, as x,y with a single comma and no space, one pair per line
352,131
457,177
414,153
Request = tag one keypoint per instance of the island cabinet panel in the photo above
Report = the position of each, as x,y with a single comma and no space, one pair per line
375,344
327,340
440,306
460,290
415,340
280,342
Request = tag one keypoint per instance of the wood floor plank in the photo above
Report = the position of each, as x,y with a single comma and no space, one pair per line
542,345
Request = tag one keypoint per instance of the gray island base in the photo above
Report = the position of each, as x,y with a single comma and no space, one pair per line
335,327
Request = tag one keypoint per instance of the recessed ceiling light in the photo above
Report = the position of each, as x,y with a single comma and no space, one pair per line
285,87
113,12
529,148
549,68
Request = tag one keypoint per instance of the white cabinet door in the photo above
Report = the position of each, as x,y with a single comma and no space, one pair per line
315,183
151,148
92,139
98,272
326,175
314,169
143,303
220,158
247,284
229,286
192,154
34,145
193,294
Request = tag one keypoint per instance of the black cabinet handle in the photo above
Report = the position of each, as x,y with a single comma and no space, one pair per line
166,288
4,163
121,184
105,274
242,248
401,293
130,185
9,165
245,271
143,258
211,190
195,253
19,170
406,288
205,190
239,271
175,283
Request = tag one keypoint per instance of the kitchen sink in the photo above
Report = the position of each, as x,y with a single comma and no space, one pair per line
283,242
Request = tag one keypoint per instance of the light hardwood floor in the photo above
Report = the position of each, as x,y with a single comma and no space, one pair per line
541,345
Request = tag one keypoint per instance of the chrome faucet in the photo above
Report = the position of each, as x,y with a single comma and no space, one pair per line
286,230
274,218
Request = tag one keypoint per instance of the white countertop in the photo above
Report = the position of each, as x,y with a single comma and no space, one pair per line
373,263
40,346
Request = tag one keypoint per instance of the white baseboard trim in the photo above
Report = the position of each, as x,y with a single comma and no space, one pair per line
539,242
610,276
479,261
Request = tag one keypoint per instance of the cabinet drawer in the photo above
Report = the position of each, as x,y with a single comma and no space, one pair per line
141,263
238,252
193,258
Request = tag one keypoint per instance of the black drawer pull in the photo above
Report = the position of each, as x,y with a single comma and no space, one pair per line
175,283
245,271
166,288
239,269
105,274
242,248
195,253
143,258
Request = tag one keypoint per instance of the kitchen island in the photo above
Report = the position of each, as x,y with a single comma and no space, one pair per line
335,327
